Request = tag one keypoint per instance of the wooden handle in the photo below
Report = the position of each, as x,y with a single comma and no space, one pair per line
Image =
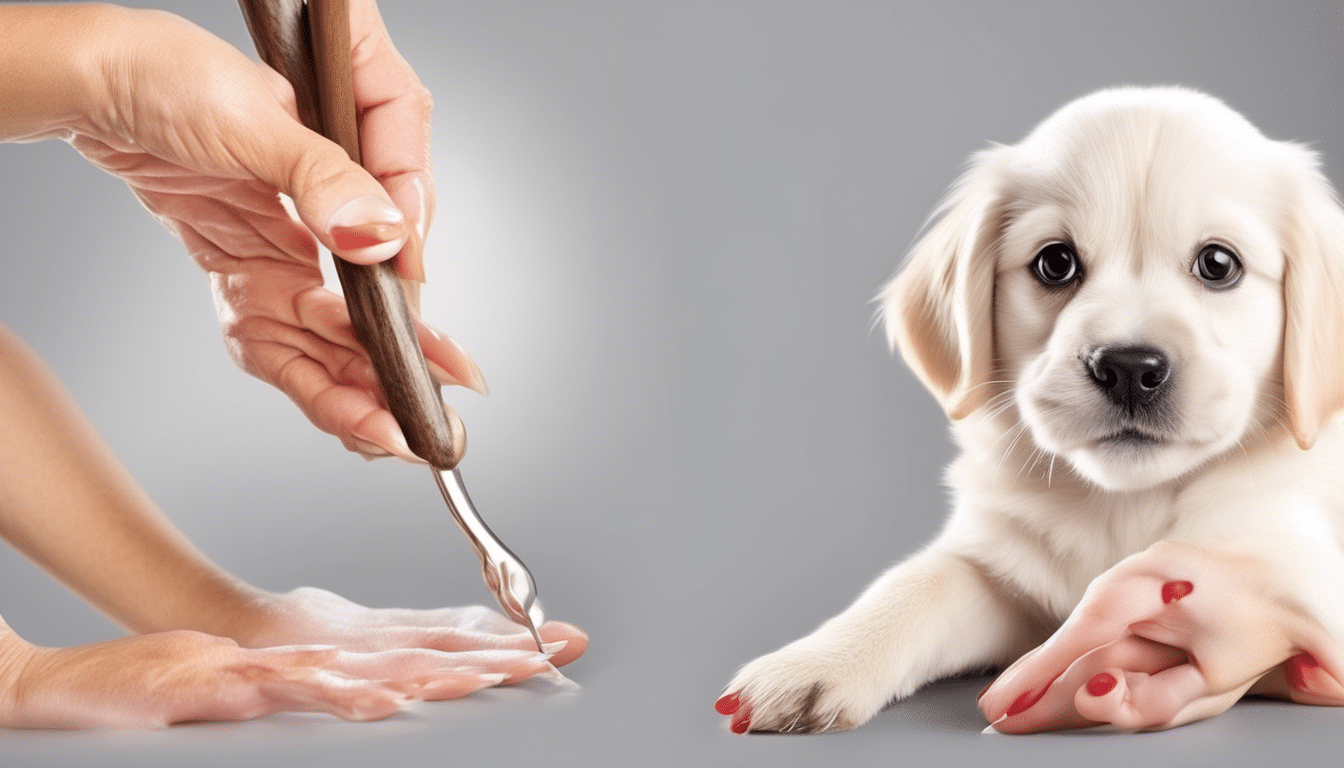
310,45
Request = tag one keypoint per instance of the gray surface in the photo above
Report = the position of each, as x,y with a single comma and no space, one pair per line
659,230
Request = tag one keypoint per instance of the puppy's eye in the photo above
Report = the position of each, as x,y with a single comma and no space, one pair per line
1057,264
1218,267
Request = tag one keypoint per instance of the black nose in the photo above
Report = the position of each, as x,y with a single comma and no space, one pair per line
1132,377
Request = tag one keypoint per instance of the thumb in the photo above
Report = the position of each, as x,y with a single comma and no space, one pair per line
345,207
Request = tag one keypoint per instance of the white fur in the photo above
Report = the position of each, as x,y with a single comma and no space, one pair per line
1139,179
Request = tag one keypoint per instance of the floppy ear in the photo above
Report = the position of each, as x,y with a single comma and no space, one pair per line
939,308
1313,298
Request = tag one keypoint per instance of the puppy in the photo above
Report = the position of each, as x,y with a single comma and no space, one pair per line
1135,320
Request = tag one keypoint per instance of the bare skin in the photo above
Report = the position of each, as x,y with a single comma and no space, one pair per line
208,141
1169,636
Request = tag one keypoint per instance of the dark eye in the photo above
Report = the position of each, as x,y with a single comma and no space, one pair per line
1057,264
1218,267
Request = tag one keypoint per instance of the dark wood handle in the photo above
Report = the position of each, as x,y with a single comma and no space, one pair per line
310,45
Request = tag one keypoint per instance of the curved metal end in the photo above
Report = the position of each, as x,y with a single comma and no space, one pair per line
504,572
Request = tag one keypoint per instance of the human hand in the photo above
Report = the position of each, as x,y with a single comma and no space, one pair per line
308,615
1174,634
168,677
208,139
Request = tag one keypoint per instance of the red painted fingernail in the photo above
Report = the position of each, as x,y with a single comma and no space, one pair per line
981,694
1023,703
1027,700
354,238
1175,590
1101,684
1296,670
742,723
728,704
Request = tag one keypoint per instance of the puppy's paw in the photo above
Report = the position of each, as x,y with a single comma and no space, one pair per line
808,686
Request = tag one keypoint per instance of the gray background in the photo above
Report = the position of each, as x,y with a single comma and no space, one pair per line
659,231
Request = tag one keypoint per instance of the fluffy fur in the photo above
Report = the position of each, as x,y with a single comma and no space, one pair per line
1244,455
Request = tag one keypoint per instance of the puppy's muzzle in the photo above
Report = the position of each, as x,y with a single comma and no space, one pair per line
1134,378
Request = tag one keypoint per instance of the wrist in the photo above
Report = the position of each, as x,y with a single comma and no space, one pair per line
243,614
52,68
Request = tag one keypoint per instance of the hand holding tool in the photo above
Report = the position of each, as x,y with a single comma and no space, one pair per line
310,45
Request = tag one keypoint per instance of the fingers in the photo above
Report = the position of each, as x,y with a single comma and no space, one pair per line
340,202
1103,617
311,690
414,671
1137,700
1220,611
448,361
159,679
1146,594
395,110
1051,706
575,640
561,642
1303,679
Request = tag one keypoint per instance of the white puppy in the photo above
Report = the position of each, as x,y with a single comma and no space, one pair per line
1135,320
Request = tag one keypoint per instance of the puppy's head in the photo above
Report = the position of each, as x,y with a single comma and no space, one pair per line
1145,281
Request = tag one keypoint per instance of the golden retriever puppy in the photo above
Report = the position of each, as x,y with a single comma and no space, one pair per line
1134,319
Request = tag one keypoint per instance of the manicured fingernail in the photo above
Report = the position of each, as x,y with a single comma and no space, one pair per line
557,678
369,450
1175,590
1101,684
1296,670
422,224
550,649
478,383
402,450
981,694
369,227
728,704
1024,702
477,379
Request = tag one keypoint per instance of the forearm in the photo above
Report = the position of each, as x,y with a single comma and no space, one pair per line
69,505
50,64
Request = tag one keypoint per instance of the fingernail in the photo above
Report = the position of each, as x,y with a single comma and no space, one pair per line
1024,702
1101,684
491,679
1296,670
373,706
422,224
728,704
369,450
550,649
981,694
476,381
402,450
1175,590
369,227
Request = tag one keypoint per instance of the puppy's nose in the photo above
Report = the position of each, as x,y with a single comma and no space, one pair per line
1131,377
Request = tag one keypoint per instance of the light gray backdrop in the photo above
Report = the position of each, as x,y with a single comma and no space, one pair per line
660,226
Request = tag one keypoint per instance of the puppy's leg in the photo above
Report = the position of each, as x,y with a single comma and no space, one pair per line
931,616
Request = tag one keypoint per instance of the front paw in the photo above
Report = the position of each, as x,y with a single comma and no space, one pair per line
809,686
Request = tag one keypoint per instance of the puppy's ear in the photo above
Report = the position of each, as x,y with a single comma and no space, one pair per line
1313,297
939,309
